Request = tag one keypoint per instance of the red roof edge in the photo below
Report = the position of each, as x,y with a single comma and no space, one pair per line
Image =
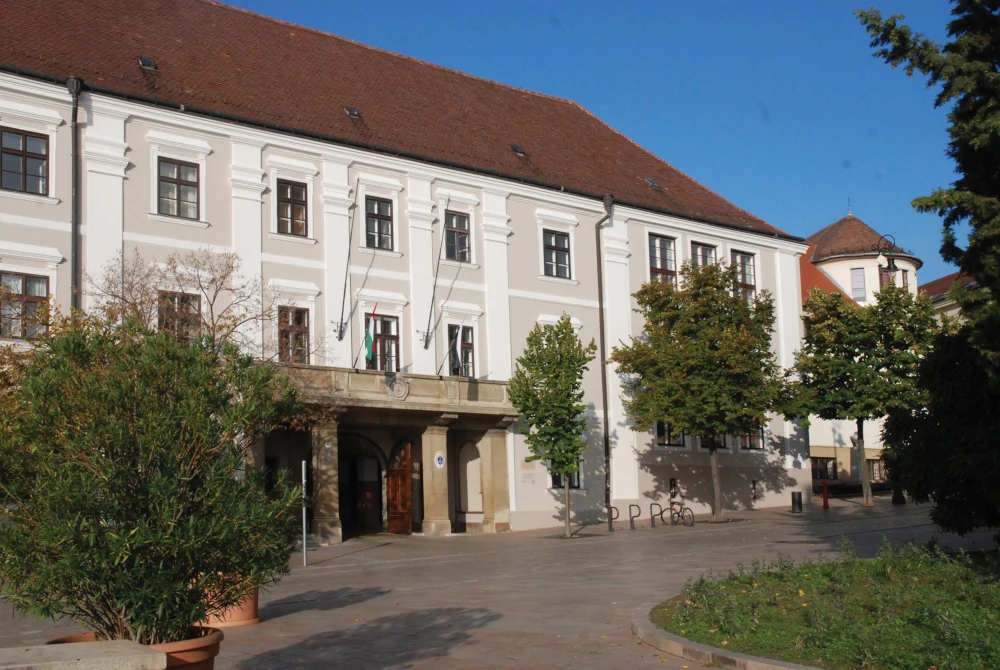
813,277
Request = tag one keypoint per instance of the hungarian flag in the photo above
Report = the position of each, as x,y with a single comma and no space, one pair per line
370,335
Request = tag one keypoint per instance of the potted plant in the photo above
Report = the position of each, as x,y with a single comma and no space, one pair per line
127,506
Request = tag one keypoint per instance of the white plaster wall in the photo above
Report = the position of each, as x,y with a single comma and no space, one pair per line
839,270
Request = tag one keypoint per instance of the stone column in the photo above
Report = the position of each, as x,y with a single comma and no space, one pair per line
325,484
437,520
104,162
496,503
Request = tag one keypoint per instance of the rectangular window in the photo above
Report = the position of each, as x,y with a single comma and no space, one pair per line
457,245
574,480
179,313
378,223
292,207
385,344
461,351
824,468
23,299
906,278
667,437
24,161
178,189
747,276
883,277
858,283
702,254
293,335
876,470
713,442
556,254
662,262
752,442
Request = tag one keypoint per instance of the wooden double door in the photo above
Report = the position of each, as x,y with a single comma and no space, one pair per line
399,492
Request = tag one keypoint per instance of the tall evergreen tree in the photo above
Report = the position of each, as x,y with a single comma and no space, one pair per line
965,69
547,389
857,363
704,363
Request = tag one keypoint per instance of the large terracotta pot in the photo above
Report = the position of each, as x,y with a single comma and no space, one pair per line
244,614
196,653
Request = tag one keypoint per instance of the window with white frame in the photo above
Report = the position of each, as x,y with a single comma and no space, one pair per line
858,284
293,334
662,261
702,254
666,436
293,207
746,276
24,161
179,313
457,243
23,302
384,343
751,442
556,254
177,189
574,480
461,351
378,223
712,442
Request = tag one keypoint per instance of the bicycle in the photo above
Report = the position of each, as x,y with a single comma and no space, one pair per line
679,514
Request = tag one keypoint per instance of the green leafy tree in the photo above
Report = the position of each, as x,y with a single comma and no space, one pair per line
547,390
704,363
122,454
857,363
944,450
965,70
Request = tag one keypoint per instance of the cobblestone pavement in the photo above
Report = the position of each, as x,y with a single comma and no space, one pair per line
516,600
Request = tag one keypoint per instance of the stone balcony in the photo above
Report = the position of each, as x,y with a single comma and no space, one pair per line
356,389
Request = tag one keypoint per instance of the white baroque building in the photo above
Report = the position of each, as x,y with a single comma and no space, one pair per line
358,184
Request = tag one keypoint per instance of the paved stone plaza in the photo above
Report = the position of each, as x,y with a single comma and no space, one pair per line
516,600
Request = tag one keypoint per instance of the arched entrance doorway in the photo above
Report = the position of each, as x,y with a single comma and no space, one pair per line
360,470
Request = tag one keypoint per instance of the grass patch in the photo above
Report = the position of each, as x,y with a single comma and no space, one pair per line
909,608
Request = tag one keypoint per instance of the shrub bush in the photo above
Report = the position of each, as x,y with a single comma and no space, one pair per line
123,451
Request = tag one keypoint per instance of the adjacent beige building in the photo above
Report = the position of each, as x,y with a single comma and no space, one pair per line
844,257
363,187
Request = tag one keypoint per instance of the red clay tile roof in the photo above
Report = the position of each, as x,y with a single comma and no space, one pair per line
218,59
936,288
812,277
848,236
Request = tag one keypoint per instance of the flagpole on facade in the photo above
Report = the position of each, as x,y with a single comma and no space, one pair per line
369,335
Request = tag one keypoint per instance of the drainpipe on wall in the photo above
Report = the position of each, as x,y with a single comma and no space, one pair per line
609,201
75,85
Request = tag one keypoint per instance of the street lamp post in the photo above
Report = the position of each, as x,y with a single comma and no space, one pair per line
886,260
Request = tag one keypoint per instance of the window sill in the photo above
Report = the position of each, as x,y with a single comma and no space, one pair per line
380,252
292,238
30,197
671,447
163,218
459,264
559,280
571,491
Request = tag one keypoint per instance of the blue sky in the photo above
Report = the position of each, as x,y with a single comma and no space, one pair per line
776,104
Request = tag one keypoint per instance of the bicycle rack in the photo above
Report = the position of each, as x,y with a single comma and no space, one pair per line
652,517
631,518
612,517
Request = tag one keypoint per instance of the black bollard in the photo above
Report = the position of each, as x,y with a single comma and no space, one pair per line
797,502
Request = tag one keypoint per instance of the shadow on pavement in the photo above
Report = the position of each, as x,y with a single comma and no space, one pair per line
319,601
390,642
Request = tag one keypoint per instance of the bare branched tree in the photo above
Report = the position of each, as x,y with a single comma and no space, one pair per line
194,293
